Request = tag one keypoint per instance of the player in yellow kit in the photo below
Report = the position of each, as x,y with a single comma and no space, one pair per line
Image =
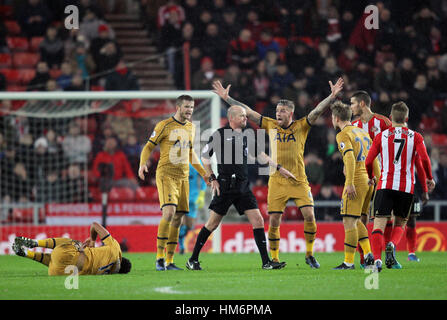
353,143
175,136
287,140
89,260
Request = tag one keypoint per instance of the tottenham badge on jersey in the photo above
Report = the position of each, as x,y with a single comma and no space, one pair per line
153,134
342,145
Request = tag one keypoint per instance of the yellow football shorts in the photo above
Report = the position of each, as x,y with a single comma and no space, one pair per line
172,191
360,205
280,192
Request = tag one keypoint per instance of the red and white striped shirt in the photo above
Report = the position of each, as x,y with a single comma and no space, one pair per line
398,147
375,125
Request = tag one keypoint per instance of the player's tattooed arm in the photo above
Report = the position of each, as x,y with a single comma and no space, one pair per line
224,93
324,104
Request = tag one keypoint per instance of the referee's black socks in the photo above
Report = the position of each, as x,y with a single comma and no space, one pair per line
202,237
261,243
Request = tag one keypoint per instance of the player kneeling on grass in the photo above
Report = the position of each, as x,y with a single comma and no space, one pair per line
66,252
353,143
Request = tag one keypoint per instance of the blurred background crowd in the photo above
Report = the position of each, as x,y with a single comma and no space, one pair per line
266,50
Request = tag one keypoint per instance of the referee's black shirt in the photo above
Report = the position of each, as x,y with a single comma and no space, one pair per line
232,149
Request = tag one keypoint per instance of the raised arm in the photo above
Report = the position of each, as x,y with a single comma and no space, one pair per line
224,93
324,104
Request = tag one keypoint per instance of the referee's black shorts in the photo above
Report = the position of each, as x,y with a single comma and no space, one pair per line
398,202
242,201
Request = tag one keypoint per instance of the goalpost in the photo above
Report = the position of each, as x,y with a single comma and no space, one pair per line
34,114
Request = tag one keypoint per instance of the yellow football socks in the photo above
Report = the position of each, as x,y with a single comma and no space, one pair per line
162,237
51,243
310,231
44,258
363,237
274,238
172,244
351,239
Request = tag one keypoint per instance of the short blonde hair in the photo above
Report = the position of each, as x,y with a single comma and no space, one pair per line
341,110
399,112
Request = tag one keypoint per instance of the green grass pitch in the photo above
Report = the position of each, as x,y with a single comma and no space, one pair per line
232,277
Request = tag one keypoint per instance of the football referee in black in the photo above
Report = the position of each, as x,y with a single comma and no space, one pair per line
231,186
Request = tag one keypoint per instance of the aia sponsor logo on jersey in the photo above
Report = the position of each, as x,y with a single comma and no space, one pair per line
284,137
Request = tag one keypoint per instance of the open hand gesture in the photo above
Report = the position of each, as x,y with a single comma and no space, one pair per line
222,92
337,87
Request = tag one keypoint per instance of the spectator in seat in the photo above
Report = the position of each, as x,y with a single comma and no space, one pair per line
326,213
243,51
20,189
74,187
299,56
40,79
51,85
50,190
3,35
271,62
77,84
82,60
34,18
230,25
64,80
282,79
361,75
440,175
2,82
90,24
170,8
261,82
105,52
314,168
170,40
254,25
388,78
121,79
100,139
123,175
76,146
293,13
422,98
132,150
214,46
407,73
436,79
52,48
347,60
266,43
203,79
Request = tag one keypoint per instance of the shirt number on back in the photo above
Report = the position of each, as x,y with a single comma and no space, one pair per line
360,156
401,143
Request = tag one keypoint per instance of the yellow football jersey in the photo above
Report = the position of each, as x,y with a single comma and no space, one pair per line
102,260
287,146
357,141
176,143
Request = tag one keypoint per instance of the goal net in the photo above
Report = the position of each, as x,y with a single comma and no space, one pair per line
55,167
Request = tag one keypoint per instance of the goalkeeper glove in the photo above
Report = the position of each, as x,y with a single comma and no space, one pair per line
200,202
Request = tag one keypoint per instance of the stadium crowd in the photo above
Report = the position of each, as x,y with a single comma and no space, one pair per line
266,50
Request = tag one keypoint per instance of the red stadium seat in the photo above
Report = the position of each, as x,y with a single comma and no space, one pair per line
95,193
263,208
55,73
439,140
260,193
428,124
5,60
6,11
97,88
147,194
338,190
12,76
17,43
26,75
25,59
35,42
315,188
121,194
292,213
15,88
282,42
13,28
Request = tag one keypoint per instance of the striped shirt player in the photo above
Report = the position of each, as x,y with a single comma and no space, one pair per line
374,126
398,147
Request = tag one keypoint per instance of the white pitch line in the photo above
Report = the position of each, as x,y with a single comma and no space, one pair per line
169,290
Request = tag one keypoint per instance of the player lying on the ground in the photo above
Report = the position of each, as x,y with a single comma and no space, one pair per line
85,256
